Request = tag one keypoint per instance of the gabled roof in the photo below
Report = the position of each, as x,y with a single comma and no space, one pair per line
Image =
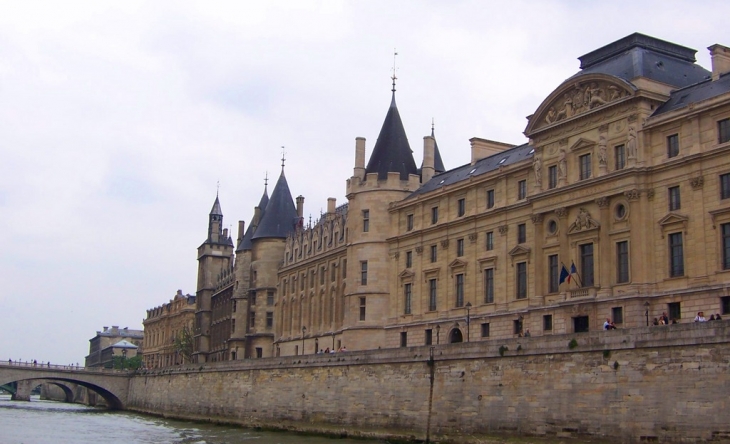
392,153
280,217
245,243
695,93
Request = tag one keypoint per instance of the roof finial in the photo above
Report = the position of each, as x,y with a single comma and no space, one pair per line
432,126
394,68
283,157
217,188
266,180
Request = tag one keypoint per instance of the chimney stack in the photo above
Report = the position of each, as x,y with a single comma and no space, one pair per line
483,148
256,217
300,206
359,157
429,153
241,231
720,56
331,205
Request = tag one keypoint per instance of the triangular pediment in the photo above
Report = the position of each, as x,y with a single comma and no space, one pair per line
519,250
582,143
406,274
457,263
673,218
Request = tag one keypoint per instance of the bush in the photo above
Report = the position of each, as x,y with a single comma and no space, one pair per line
572,344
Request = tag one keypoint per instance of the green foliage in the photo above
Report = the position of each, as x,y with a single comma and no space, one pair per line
124,363
572,344
183,344
502,349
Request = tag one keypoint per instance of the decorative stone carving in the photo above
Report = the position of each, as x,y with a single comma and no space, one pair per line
503,229
602,156
561,212
537,166
396,255
445,244
602,202
583,221
631,143
697,182
419,250
650,194
632,194
473,237
537,218
584,96
562,165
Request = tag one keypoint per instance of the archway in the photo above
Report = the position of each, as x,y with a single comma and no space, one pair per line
455,336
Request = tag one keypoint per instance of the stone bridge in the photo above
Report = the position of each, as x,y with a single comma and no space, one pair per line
112,385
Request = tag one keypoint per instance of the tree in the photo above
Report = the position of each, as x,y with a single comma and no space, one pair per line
124,363
183,344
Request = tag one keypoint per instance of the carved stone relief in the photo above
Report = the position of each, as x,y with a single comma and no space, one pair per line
561,212
632,194
583,221
583,97
473,237
697,182
602,202
503,229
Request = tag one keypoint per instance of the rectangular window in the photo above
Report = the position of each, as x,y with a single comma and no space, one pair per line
259,352
517,326
619,152
434,253
459,247
617,315
434,215
725,304
489,285
521,233
233,325
404,339
553,276
622,262
407,299
235,305
362,309
432,294
269,298
459,290
673,145
521,189
586,264
461,207
269,319
333,272
725,186
725,230
585,166
676,255
490,240
253,298
409,222
547,322
429,336
365,220
723,131
409,259
490,199
485,330
552,176
674,200
321,276
252,319
675,310
344,268
580,324
521,278
363,272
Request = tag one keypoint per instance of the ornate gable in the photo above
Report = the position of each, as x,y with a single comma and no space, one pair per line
583,222
673,221
582,143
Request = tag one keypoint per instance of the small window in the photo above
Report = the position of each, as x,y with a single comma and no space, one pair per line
321,277
617,315
723,131
674,200
517,326
434,215
269,319
366,221
521,189
676,255
675,310
580,324
233,325
622,262
521,233
333,272
547,322
363,272
485,330
253,298
344,268
460,247
585,166
725,186
620,212
459,290
235,305
409,259
404,339
725,233
252,319
269,298
673,145
407,294
432,294
489,286
725,304
490,199
553,274
362,309
521,277
434,253
259,352
461,207
552,176
429,336
409,222
586,264
620,156
490,240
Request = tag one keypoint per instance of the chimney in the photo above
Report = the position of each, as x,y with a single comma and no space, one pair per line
300,206
359,157
106,328
241,231
256,217
331,205
720,56
225,233
483,148
429,150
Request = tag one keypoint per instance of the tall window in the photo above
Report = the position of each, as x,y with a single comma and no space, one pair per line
407,299
673,145
366,220
333,272
269,319
409,222
622,262
489,285
674,201
552,176
434,215
434,253
344,268
362,309
253,297
521,280
675,310
676,255
585,166
432,295
553,277
490,199
252,319
429,336
363,272
404,339
620,155
725,230
460,247
270,298
490,240
725,186
409,259
485,330
521,233
547,322
321,276
461,207
617,315
723,131
459,290
586,264
521,189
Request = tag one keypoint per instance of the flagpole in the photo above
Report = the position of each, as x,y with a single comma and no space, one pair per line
577,275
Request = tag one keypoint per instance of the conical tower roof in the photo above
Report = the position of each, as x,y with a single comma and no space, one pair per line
245,243
280,217
392,153
216,210
438,164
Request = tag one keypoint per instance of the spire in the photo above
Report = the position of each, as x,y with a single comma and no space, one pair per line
280,217
438,164
245,243
216,210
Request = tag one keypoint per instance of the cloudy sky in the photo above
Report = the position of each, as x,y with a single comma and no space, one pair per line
118,119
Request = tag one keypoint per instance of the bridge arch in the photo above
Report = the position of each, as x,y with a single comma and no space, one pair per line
67,392
112,401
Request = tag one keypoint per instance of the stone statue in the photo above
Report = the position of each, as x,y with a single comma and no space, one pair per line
631,143
551,115
583,221
602,150
537,165
562,164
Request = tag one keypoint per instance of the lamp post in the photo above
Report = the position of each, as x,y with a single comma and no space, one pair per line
304,331
438,330
333,341
468,320
646,313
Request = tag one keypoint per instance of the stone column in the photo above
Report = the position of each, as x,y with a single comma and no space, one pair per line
564,253
605,252
538,260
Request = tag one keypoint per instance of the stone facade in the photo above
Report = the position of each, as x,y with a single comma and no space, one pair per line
162,325
101,350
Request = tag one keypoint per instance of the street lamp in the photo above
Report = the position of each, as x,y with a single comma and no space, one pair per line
333,341
438,330
646,313
468,320
304,331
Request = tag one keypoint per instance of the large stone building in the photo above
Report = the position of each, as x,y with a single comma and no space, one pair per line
112,342
167,328
618,207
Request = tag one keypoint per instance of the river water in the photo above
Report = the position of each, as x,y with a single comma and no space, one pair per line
50,422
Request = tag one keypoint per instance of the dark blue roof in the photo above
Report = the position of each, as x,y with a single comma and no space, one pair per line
280,217
695,93
482,166
245,243
392,153
216,210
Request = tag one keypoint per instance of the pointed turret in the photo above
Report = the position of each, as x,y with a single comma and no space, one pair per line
280,217
438,164
259,211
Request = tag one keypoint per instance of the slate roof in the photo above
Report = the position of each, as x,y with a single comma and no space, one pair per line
482,166
280,217
216,210
124,344
392,153
245,243
695,93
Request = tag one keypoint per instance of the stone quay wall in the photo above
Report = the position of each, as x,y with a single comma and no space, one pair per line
665,383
